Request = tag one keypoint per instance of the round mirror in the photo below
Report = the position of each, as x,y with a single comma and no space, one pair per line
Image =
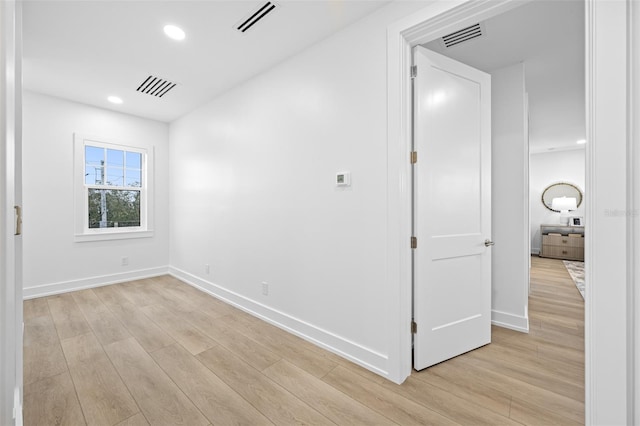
558,190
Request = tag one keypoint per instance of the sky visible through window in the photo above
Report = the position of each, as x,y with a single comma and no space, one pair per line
112,167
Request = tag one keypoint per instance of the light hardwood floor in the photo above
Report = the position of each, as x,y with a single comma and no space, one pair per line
160,352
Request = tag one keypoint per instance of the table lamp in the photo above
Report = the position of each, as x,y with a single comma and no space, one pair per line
564,205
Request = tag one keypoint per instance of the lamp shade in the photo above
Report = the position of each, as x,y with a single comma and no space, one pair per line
564,204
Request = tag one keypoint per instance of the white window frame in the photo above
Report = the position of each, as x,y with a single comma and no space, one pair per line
81,192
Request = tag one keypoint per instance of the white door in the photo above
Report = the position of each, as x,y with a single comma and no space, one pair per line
452,208
10,196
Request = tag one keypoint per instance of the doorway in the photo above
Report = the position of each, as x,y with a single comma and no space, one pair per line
608,361
538,110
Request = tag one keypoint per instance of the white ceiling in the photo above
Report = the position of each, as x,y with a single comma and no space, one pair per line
548,36
87,50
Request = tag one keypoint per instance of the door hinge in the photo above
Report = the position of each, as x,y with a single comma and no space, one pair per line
414,242
414,157
414,327
414,71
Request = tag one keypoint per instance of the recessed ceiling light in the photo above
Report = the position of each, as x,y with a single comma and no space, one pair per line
174,32
581,142
114,100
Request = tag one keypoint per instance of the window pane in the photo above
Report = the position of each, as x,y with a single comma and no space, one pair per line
115,157
110,208
134,178
95,208
123,208
134,160
115,176
94,160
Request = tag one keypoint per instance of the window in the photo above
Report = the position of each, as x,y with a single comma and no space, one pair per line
112,190
113,178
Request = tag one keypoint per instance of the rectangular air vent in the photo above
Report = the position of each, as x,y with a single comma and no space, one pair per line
255,16
462,35
156,86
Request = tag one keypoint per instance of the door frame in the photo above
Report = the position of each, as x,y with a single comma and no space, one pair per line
609,346
434,21
10,195
634,146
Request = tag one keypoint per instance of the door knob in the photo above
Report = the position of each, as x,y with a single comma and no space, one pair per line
488,243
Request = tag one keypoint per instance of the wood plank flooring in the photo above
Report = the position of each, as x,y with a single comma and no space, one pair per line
160,352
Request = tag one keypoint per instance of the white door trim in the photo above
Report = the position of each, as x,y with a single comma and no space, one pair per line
609,362
606,332
10,195
634,158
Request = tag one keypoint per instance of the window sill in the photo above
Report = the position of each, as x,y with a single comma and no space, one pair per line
118,235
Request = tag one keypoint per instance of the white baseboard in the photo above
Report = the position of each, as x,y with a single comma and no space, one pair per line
535,250
365,357
84,283
513,322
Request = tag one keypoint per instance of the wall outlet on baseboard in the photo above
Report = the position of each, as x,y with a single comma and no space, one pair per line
125,261
265,288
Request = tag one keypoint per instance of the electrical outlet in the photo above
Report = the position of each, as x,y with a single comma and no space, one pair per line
207,269
125,261
265,288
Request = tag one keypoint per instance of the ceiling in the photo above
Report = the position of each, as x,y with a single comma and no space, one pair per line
548,36
86,51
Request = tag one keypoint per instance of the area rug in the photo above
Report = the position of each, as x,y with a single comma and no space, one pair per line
576,270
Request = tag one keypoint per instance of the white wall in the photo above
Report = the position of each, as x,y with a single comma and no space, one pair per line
509,181
54,262
548,168
253,194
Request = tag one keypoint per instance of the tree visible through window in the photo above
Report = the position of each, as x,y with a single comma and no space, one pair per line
113,178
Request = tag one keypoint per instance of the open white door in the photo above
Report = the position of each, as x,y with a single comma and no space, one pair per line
452,208
10,197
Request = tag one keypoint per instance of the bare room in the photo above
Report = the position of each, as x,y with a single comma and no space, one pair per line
319,212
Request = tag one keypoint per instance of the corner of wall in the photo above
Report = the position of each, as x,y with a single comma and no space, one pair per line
510,321
361,355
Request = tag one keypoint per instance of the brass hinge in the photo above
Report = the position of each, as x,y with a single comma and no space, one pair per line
414,327
414,71
414,242
414,157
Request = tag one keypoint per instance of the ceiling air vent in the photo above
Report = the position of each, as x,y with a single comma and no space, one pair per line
255,16
462,35
156,86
